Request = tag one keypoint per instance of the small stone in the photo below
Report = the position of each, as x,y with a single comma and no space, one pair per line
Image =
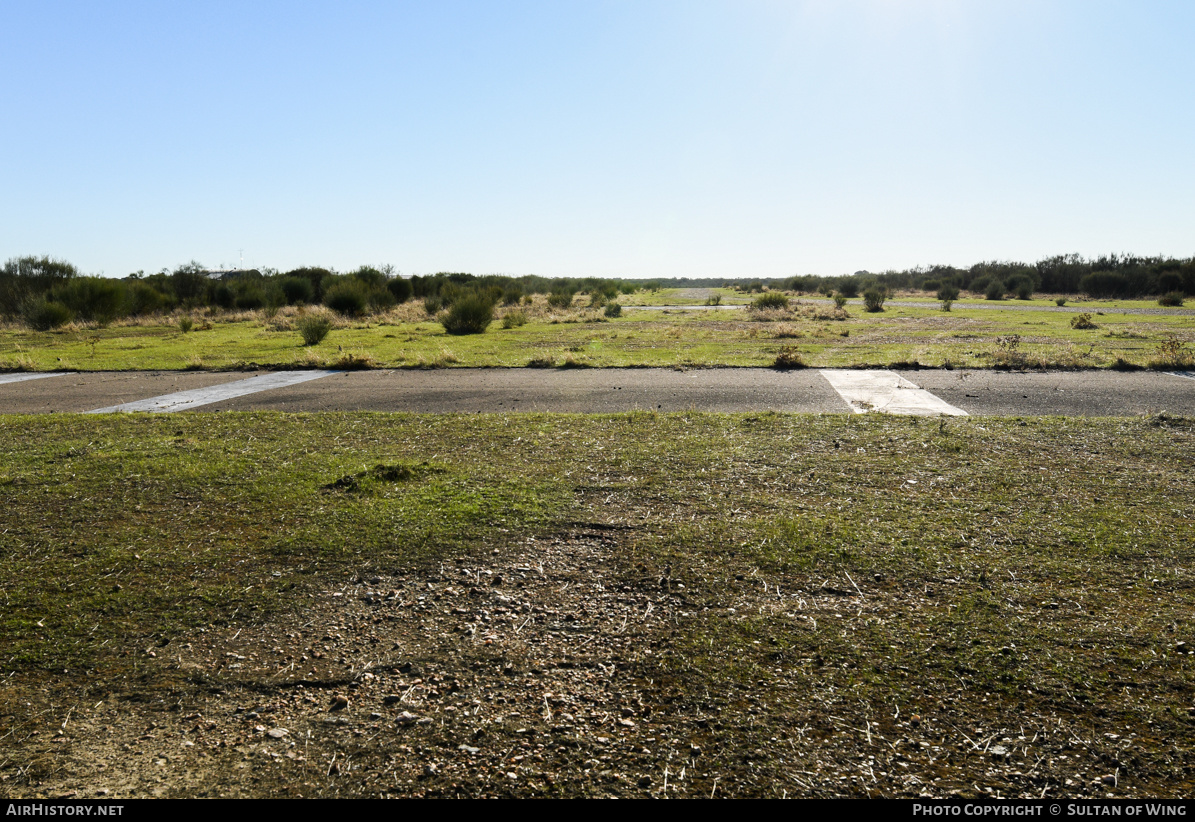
915,720
468,749
339,702
644,782
1109,780
406,718
277,733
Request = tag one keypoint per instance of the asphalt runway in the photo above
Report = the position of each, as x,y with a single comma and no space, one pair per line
497,390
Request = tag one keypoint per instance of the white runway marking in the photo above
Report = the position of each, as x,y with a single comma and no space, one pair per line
22,377
1190,375
186,400
887,392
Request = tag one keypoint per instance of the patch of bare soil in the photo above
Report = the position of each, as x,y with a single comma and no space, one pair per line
549,669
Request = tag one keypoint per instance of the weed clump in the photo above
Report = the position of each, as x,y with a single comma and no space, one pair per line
355,361
1008,352
1171,298
1082,321
469,315
613,310
840,301
514,319
1173,353
714,299
787,359
313,328
364,481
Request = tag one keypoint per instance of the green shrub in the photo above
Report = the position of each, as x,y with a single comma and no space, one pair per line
1172,298
873,299
381,298
145,299
313,328
840,301
347,297
185,323
770,300
514,319
714,299
250,298
597,299
949,291
946,304
469,315
1082,321
995,290
400,287
42,315
613,310
297,290
1024,291
1060,301
90,299
224,296
432,306
560,299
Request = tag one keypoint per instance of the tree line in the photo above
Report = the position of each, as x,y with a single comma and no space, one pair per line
46,292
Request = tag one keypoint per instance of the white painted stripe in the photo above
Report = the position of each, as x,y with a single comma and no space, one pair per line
888,393
22,377
1190,375
185,400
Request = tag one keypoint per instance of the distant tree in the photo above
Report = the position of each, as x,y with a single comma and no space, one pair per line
26,278
190,282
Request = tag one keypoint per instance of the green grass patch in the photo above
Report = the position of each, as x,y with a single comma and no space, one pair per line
643,336
826,578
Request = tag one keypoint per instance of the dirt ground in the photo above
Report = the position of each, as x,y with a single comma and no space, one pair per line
536,670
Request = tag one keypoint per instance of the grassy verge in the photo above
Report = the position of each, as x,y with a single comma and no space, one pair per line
645,336
855,606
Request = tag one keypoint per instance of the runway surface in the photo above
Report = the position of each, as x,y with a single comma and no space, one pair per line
611,390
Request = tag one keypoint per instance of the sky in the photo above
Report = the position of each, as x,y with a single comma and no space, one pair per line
613,138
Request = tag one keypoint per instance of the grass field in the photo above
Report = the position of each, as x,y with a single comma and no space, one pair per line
527,605
819,335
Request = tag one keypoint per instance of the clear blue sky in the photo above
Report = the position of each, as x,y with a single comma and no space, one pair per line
634,138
